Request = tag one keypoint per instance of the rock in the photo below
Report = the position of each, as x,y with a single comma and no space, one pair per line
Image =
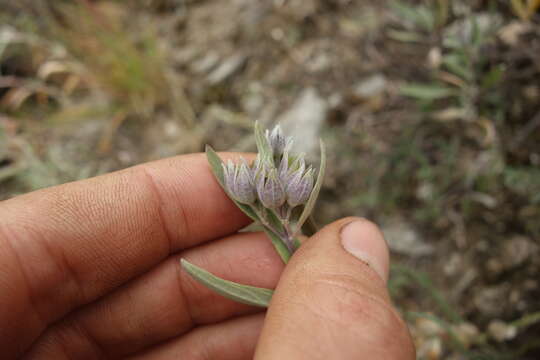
501,331
304,120
431,349
184,55
370,86
517,251
467,333
319,62
404,239
509,34
428,327
206,63
226,69
491,301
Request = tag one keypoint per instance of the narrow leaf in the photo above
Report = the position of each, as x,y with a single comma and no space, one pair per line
314,193
404,36
215,164
264,148
245,294
273,219
456,64
426,92
280,247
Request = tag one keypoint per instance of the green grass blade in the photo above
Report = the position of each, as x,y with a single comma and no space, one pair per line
215,164
245,294
427,91
314,193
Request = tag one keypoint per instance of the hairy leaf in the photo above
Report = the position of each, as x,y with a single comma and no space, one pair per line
245,294
264,148
279,245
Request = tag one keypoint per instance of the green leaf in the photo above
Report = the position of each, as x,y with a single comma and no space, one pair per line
404,36
493,77
245,294
314,193
215,164
457,65
264,148
420,16
273,219
427,92
280,247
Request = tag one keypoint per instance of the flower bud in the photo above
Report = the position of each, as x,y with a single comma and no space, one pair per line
277,141
288,171
239,182
270,190
228,174
299,187
256,168
283,169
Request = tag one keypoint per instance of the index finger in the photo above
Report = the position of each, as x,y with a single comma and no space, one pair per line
65,246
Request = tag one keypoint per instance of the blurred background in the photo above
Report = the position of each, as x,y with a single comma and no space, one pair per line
429,109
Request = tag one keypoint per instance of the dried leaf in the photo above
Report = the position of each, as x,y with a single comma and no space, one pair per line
15,97
245,294
314,193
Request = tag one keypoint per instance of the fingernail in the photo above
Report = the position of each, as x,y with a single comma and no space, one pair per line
364,241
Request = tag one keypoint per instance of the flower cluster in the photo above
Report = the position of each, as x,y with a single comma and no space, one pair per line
279,182
267,191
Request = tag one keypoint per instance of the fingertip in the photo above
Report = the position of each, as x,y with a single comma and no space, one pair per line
364,240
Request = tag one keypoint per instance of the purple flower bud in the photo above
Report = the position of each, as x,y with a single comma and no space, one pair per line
283,169
256,168
228,173
277,141
299,163
239,182
287,171
270,190
299,187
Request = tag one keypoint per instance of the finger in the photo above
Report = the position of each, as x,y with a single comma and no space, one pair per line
65,246
163,303
332,302
234,339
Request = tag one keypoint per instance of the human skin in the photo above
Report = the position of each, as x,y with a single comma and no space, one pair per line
90,270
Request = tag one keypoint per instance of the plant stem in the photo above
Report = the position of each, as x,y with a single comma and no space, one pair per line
288,231
265,223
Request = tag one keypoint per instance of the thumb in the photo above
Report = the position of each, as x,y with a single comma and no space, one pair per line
332,302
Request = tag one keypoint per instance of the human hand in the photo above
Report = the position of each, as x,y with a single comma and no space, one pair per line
90,270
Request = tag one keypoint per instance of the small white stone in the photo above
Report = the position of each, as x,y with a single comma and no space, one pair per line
501,331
